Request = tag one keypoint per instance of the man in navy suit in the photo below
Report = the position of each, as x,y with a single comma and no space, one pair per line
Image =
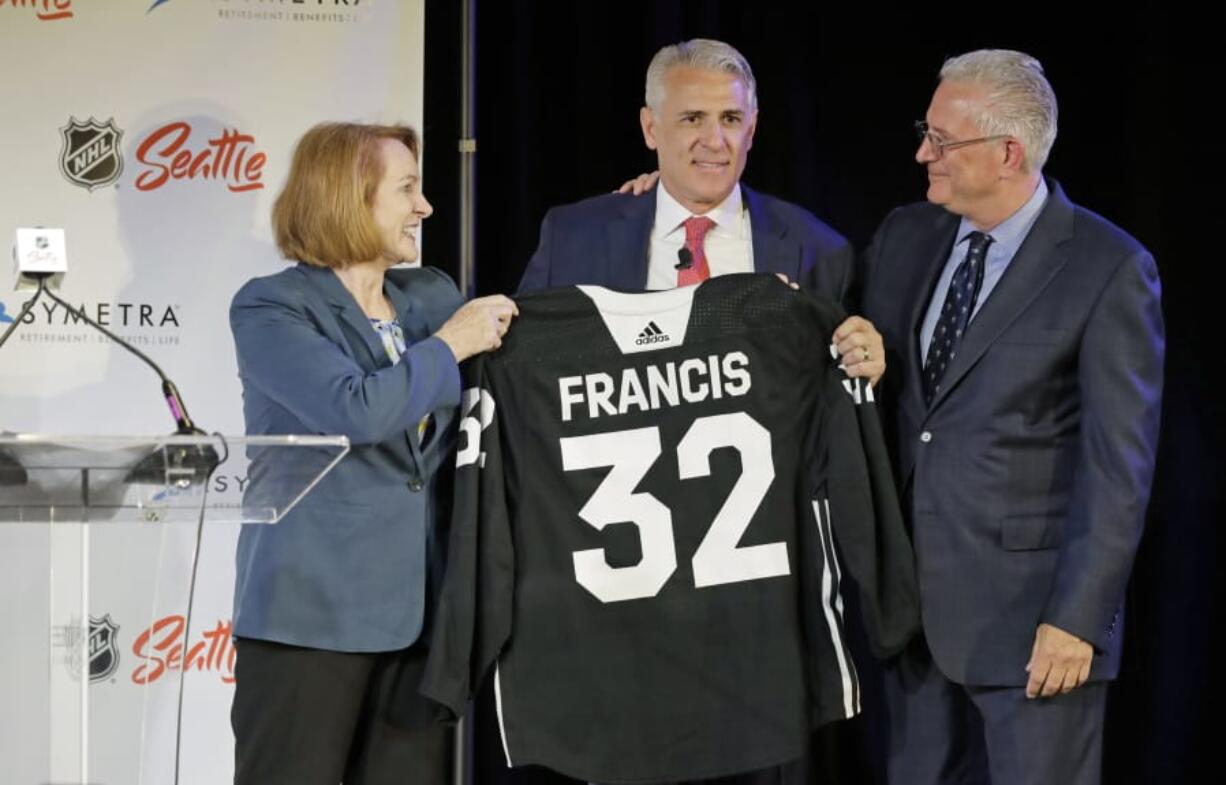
1025,343
700,117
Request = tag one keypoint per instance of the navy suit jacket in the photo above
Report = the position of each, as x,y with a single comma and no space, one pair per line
347,568
1029,474
606,241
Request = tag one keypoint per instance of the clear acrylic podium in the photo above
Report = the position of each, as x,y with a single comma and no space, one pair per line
61,498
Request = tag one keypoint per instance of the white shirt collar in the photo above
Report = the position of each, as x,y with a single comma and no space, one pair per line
670,215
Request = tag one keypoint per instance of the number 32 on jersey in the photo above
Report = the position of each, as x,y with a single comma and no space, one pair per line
630,455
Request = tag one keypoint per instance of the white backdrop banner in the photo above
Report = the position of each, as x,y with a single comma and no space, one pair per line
156,133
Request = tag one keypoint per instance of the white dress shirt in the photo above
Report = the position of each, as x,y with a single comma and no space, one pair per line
728,244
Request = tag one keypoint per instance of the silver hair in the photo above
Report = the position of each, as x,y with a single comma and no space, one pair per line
1020,102
701,53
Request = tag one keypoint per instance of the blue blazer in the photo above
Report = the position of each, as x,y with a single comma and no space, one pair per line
1029,474
606,241
347,568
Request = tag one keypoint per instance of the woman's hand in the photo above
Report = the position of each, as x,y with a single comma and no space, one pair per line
478,326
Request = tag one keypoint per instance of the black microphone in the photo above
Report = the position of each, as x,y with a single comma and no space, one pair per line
183,423
152,469
686,259
11,470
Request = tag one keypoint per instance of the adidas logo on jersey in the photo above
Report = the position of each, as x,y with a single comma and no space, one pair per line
651,334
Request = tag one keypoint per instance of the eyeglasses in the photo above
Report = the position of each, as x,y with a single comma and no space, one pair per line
939,147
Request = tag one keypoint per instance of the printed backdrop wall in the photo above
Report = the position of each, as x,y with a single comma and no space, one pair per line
156,133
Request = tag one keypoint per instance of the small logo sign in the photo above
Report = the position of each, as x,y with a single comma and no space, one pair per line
103,651
651,334
90,156
102,647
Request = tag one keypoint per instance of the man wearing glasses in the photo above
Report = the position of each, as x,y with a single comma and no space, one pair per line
1027,340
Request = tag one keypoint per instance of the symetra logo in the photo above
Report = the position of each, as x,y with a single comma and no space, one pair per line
4,316
284,11
107,314
651,334
148,323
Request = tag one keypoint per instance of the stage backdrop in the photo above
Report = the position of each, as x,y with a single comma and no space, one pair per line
156,133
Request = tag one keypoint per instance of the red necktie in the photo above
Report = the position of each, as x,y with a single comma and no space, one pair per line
696,228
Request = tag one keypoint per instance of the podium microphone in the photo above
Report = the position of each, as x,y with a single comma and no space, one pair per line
41,262
191,464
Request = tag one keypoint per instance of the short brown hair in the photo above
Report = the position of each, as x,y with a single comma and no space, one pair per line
323,214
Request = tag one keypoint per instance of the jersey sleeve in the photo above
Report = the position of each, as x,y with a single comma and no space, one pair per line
473,620
856,496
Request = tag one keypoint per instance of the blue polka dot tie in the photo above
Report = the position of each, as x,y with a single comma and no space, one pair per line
955,314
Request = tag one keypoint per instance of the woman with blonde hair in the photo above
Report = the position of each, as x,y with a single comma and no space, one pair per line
331,603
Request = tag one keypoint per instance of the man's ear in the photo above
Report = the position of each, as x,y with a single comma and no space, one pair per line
1015,156
647,120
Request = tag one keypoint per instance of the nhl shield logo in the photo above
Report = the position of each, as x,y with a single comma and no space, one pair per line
103,651
90,156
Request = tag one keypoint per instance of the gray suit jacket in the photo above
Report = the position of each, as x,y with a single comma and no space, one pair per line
1029,475
347,568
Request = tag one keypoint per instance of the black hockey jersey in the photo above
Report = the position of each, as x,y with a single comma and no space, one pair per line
650,495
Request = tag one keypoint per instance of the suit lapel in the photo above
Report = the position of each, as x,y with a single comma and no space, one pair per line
369,347
933,255
366,344
628,239
1037,261
415,325
412,322
773,250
